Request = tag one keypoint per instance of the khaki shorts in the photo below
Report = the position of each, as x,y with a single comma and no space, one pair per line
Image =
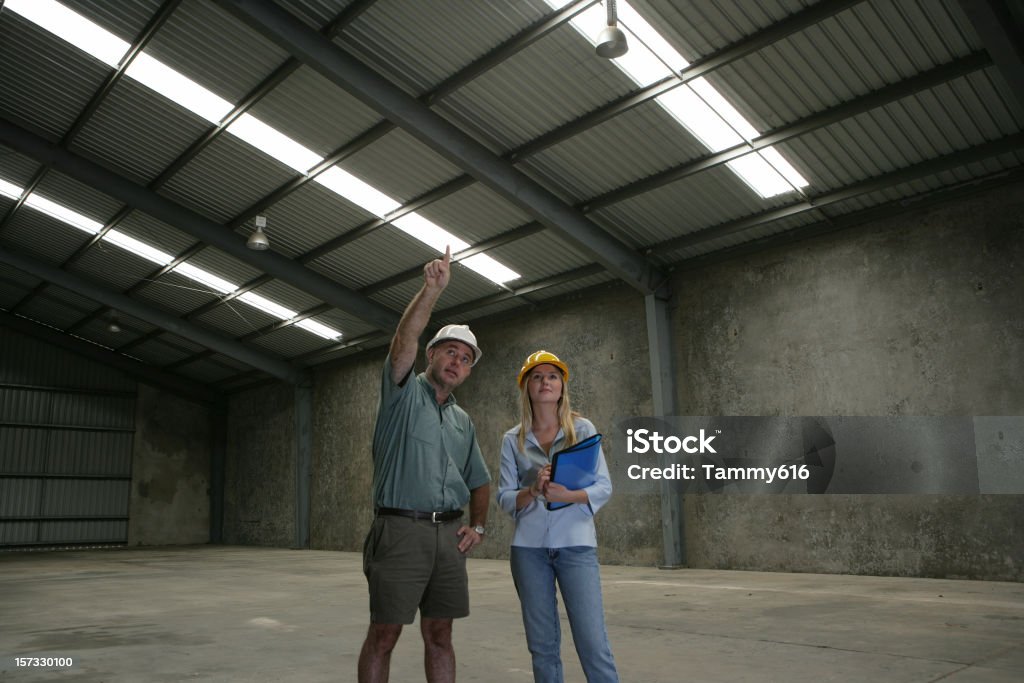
415,564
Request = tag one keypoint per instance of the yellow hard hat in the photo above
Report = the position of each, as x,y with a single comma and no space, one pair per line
540,358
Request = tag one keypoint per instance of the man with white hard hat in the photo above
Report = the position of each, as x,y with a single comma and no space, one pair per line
427,466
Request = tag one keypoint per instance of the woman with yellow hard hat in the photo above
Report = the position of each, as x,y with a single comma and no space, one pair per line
554,545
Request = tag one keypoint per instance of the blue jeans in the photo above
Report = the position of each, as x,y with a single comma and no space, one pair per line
535,571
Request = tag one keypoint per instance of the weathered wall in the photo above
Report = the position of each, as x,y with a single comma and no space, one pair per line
170,499
259,468
609,379
344,408
601,335
915,315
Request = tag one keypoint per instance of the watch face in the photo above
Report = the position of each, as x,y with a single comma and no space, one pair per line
479,529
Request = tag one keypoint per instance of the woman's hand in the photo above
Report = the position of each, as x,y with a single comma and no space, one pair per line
540,487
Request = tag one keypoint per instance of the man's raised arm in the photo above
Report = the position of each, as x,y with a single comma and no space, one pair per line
405,343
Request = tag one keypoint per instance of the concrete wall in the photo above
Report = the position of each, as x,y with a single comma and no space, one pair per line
259,468
916,315
170,499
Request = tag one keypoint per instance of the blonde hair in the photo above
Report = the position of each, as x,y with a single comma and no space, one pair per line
566,415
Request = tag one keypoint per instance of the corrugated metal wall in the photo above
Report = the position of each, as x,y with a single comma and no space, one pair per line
66,430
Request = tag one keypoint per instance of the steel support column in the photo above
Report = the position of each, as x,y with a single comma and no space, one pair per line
218,457
663,391
303,457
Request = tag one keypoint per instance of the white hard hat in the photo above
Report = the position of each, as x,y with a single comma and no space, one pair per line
460,333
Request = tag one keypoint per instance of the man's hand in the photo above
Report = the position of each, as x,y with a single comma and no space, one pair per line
469,539
437,273
417,314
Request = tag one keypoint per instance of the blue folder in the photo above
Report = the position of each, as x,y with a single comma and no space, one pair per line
575,467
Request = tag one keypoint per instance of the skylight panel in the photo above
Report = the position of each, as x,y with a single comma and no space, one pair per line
268,140
197,99
642,65
10,190
267,306
486,266
699,118
733,118
138,248
757,172
178,88
63,214
792,176
319,329
217,284
72,27
429,233
358,192
697,105
652,40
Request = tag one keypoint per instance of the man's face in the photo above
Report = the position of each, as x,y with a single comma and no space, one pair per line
449,364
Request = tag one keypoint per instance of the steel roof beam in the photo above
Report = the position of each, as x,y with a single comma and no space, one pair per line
464,76
176,384
1000,25
721,58
948,162
446,139
170,322
733,52
923,81
189,221
872,100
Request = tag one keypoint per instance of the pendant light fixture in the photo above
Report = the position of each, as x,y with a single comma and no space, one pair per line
611,42
258,240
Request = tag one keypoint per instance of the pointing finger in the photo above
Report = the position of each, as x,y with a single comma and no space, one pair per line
447,254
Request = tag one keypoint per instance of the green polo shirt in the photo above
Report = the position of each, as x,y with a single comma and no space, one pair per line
425,455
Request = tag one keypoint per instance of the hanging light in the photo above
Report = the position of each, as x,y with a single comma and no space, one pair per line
112,325
611,42
258,240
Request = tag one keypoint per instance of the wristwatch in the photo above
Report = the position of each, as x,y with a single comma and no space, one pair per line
479,529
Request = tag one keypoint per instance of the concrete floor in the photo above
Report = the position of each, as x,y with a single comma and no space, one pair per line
215,613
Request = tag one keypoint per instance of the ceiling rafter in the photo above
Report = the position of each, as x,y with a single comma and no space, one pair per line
872,100
186,388
924,169
1000,25
229,347
212,134
718,59
97,99
191,222
878,98
451,142
516,43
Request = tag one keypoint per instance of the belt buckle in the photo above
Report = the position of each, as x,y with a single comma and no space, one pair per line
433,517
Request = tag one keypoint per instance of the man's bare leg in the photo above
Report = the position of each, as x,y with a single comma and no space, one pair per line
438,653
375,657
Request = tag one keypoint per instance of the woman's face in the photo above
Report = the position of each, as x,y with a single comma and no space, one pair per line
544,382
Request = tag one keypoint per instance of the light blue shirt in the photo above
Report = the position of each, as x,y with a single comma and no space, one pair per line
536,526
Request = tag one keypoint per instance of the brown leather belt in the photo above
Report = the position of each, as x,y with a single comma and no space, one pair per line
435,517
